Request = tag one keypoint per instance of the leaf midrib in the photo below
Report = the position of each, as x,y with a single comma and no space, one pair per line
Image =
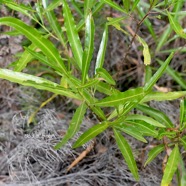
72,35
117,100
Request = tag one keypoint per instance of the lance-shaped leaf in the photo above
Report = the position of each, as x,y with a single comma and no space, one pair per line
25,58
183,141
102,49
41,58
171,166
154,153
147,119
90,134
115,22
146,21
72,34
182,114
54,23
39,11
132,131
162,96
54,4
175,75
89,83
156,114
135,5
88,4
126,4
114,5
176,26
33,35
24,9
127,153
163,38
98,6
105,75
169,134
158,74
121,98
74,125
145,128
182,110
36,82
89,46
105,88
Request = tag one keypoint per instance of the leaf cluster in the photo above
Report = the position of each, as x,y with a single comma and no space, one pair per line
78,57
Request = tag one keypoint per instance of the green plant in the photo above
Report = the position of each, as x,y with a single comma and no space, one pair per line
83,87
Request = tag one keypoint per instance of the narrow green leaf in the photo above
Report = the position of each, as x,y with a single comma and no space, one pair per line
180,49
148,73
77,8
98,6
162,96
163,38
88,4
178,7
121,98
105,75
89,46
171,166
175,75
146,53
115,22
54,24
145,128
147,119
105,88
127,153
112,21
183,140
11,33
90,134
25,58
158,74
132,131
54,4
183,171
102,49
72,34
182,109
176,26
114,5
39,10
74,125
36,82
156,114
33,35
126,4
41,58
169,134
135,5
90,83
147,22
154,153
18,7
